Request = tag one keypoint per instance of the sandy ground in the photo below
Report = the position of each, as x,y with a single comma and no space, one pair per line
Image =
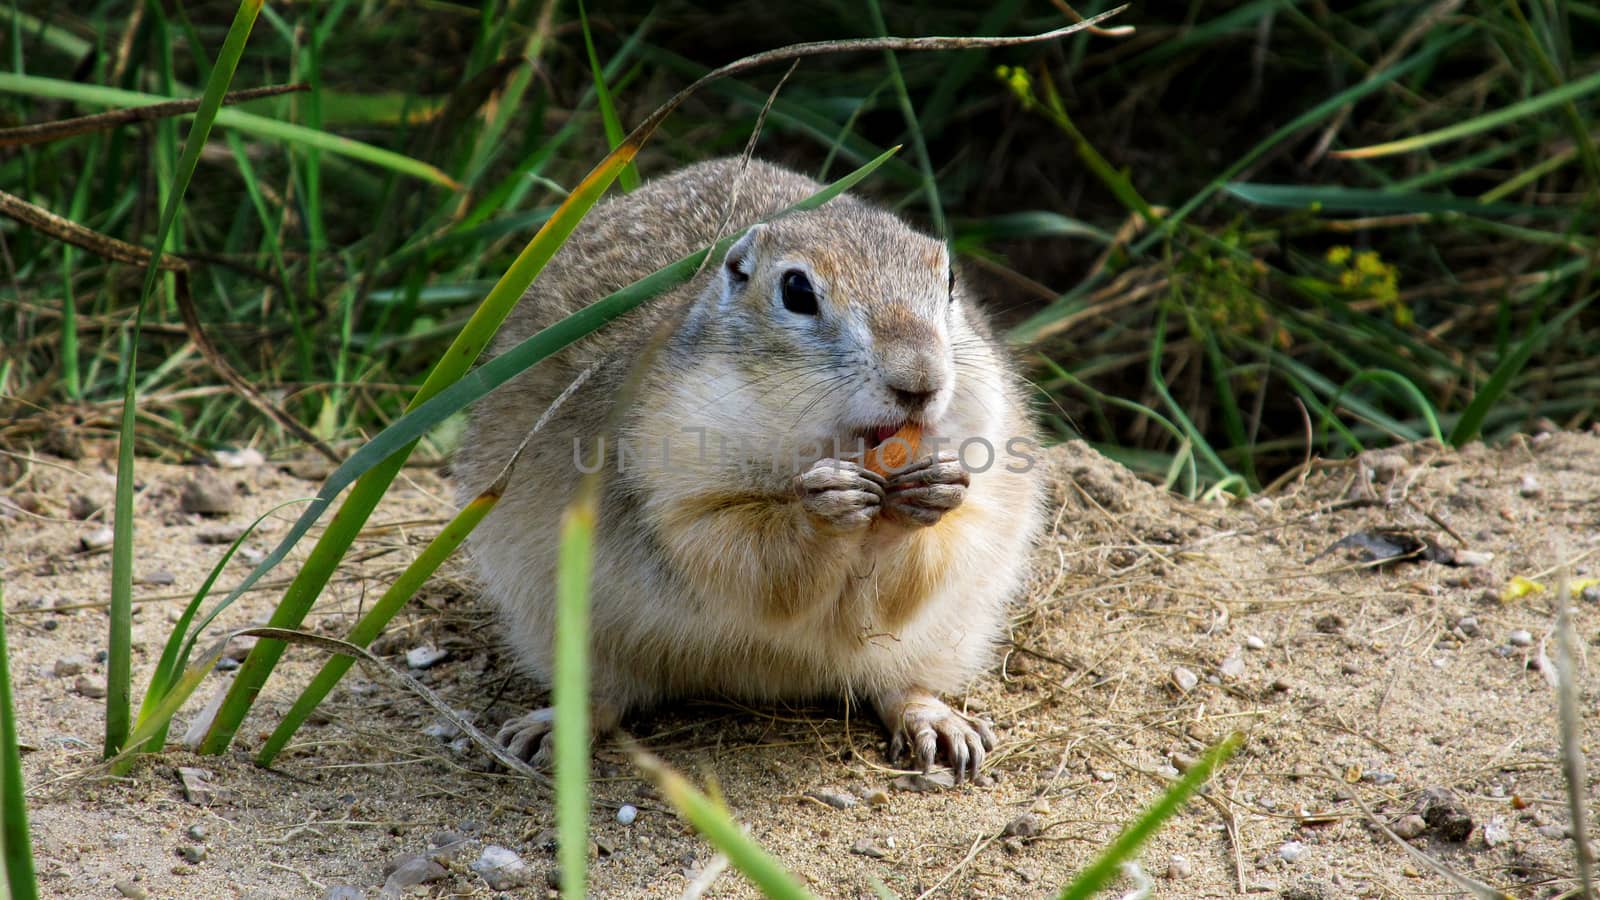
1153,627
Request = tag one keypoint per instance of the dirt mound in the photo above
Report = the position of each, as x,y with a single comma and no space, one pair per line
1152,628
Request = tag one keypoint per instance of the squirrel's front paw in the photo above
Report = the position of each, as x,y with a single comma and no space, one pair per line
922,493
839,495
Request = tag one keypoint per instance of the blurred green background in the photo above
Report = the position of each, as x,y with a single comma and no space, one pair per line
1201,278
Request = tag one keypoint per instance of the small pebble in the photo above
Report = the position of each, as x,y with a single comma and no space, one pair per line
426,656
68,666
1529,486
935,781
1179,867
132,889
1386,467
245,458
442,730
92,688
1520,638
832,797
868,847
1591,594
1232,668
1553,831
409,871
1445,814
1255,643
82,507
876,797
98,539
1292,851
192,854
1105,775
216,535
197,787
205,494
344,892
1472,558
501,868
198,832
629,812
158,578
1026,825
1373,776
1495,832
1410,826
1182,762
1184,679
1469,626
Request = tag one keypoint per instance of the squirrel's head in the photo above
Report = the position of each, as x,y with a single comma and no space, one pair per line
849,317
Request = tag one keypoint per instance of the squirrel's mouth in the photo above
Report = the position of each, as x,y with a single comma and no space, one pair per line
884,432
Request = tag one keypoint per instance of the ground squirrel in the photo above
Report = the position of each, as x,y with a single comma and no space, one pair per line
743,549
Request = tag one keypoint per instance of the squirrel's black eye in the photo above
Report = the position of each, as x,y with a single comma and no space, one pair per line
798,294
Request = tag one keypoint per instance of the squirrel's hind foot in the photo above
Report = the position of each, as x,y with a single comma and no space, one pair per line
530,737
927,728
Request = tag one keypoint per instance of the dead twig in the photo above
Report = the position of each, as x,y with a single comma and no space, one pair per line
44,132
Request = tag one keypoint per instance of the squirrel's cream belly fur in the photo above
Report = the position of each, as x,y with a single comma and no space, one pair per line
723,566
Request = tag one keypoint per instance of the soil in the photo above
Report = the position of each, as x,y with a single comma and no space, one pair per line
1153,628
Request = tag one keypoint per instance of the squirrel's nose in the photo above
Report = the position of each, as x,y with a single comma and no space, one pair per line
913,400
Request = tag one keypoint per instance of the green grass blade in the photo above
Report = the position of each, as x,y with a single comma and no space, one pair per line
570,690
1105,867
372,624
1404,385
288,132
444,393
174,655
119,644
1192,434
1334,198
1568,92
16,848
719,828
1471,421
608,111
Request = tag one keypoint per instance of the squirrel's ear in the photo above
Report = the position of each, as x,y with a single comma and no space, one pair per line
740,263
